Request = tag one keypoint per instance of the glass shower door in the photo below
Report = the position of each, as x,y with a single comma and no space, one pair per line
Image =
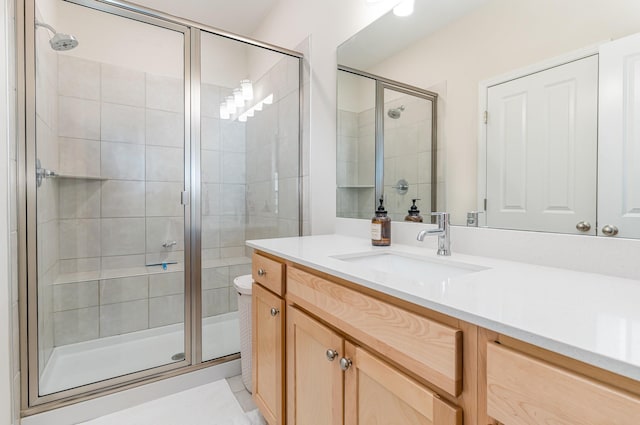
110,155
250,102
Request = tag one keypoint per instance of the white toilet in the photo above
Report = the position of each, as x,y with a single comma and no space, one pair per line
243,288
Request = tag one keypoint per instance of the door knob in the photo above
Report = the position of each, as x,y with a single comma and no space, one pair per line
274,311
331,354
609,230
345,363
261,272
583,226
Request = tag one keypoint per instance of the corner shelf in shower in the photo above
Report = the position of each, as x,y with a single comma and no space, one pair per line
76,177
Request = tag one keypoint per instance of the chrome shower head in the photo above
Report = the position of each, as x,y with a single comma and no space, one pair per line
59,41
62,41
395,112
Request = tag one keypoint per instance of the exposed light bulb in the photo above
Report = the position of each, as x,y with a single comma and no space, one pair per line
237,96
268,100
224,112
231,105
247,89
404,8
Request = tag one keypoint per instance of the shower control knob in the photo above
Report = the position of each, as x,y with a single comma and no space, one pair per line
583,226
331,354
609,230
345,363
261,272
274,311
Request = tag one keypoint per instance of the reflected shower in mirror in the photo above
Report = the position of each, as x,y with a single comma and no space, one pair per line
387,146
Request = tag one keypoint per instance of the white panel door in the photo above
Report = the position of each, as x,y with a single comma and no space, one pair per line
619,152
542,149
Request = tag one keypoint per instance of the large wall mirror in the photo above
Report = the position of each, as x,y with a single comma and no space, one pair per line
538,110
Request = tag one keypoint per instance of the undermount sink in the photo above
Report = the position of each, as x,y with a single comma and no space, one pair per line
413,267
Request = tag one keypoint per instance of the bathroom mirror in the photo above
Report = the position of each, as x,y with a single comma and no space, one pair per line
460,50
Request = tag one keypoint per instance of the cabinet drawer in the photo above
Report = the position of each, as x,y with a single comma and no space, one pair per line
522,390
268,273
425,347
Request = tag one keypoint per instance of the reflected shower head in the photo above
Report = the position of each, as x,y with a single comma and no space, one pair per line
59,41
395,112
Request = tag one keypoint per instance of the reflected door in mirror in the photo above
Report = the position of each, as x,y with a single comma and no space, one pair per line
619,153
542,150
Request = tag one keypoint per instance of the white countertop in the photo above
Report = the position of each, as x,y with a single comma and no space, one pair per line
590,317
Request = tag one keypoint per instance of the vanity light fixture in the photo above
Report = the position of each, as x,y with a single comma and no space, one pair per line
404,8
238,98
255,108
247,89
224,112
231,104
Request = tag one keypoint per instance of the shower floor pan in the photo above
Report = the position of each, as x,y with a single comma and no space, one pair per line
86,362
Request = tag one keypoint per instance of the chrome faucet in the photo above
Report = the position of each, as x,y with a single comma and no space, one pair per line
444,241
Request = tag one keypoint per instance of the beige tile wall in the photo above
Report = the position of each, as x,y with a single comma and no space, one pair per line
126,127
123,221
272,155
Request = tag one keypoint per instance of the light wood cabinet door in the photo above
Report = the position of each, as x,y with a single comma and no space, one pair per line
268,354
377,393
314,383
523,390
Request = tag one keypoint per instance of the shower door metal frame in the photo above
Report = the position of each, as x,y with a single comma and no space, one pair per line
382,83
29,315
31,401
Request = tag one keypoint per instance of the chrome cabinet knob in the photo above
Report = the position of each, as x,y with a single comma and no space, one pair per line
261,272
331,354
583,226
609,230
274,311
345,363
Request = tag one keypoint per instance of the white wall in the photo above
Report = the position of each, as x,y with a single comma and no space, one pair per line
328,23
499,37
6,304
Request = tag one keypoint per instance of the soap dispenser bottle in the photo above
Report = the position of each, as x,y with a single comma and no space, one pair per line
381,227
414,213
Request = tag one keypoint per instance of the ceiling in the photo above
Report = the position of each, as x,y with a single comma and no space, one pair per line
241,17
391,34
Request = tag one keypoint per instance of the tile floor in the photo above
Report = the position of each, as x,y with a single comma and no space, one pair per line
210,404
240,392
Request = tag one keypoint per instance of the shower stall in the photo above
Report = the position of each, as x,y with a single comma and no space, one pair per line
154,147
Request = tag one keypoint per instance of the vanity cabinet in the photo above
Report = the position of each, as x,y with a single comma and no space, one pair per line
350,356
331,380
357,356
268,331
